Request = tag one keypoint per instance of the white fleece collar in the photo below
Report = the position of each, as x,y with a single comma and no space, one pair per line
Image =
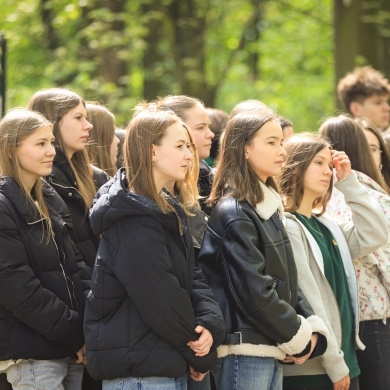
270,204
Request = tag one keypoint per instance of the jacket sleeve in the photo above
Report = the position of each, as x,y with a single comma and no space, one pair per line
22,294
368,229
243,270
333,358
207,311
144,267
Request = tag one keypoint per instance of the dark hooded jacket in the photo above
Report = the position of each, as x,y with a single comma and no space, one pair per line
41,297
146,297
63,181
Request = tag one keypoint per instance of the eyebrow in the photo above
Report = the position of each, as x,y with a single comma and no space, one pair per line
322,158
273,137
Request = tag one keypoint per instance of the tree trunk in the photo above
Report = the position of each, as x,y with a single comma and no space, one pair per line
45,9
357,36
186,31
111,67
153,60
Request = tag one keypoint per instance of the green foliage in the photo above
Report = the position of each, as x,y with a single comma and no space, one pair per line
296,64
283,57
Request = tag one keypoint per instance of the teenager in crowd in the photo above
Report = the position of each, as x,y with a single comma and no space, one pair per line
41,296
372,270
193,113
365,93
73,176
378,148
247,259
102,146
323,252
150,315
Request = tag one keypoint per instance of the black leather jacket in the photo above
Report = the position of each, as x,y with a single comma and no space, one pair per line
248,262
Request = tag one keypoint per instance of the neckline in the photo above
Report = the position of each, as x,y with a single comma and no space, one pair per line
304,216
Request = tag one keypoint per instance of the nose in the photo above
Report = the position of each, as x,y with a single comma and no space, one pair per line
88,125
210,134
188,155
50,151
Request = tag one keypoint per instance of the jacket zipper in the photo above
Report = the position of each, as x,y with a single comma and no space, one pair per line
65,277
66,187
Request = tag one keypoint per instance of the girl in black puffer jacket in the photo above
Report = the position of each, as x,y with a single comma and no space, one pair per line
150,317
41,296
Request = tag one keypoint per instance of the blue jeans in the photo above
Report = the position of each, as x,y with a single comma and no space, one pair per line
58,374
374,361
149,383
248,373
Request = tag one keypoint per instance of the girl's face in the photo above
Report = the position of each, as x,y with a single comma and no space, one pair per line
172,158
375,147
198,122
114,148
75,129
317,178
265,154
35,155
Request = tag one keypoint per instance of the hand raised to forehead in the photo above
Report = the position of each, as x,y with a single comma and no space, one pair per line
341,164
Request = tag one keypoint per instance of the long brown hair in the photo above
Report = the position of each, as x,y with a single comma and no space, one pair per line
301,149
346,134
235,177
17,125
147,128
101,138
54,103
365,124
186,190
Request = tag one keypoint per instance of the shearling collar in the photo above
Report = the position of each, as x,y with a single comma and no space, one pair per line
270,204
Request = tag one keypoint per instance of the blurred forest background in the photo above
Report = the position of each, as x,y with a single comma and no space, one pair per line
287,53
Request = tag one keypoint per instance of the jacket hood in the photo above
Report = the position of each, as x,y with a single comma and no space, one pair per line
114,201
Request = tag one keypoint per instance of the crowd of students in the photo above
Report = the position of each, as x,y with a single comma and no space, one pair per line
197,249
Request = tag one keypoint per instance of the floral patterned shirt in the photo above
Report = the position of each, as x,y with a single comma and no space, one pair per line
372,271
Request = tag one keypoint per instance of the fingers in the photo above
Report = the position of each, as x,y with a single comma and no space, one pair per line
82,356
202,346
341,164
196,375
